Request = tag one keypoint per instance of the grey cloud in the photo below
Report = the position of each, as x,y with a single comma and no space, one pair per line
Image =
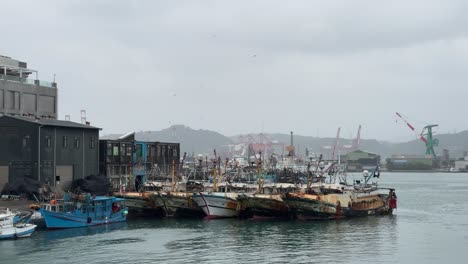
236,67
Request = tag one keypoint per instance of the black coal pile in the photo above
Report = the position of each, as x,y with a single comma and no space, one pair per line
22,186
94,184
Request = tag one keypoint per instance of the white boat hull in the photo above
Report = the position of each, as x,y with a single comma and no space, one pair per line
17,232
216,204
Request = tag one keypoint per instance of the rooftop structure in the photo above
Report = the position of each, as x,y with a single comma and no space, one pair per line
22,96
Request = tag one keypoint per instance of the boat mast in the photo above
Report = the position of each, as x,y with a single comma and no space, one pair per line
215,174
260,178
173,176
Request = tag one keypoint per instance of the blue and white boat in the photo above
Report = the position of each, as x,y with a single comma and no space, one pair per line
10,229
84,211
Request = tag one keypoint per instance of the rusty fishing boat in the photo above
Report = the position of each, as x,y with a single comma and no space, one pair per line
322,200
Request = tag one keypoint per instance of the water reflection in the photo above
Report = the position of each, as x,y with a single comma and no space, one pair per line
429,226
51,235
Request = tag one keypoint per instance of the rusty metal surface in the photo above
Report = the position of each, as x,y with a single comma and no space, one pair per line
336,205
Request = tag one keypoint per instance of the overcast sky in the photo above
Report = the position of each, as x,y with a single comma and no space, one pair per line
249,66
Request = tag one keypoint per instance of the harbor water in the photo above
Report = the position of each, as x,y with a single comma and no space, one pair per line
429,226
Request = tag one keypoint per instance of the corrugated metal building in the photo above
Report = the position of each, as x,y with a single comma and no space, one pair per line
22,96
359,160
47,150
128,162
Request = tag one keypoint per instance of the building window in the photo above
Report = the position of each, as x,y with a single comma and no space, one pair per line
129,150
65,142
109,149
139,151
92,143
115,150
48,141
26,141
14,100
122,149
174,152
77,142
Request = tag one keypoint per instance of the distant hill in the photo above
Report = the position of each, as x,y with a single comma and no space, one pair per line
191,140
204,141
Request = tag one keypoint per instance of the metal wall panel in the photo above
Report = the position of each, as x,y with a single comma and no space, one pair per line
3,176
1,99
66,176
29,103
46,104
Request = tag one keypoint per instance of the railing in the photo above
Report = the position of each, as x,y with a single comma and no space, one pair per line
28,81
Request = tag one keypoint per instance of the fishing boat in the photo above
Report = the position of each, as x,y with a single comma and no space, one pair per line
84,210
332,201
142,203
11,229
267,203
178,203
348,203
262,206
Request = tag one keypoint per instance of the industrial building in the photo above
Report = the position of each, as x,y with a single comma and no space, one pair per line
359,160
461,164
129,162
21,96
409,162
47,151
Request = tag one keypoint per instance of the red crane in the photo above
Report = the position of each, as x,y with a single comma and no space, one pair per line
357,140
412,128
336,143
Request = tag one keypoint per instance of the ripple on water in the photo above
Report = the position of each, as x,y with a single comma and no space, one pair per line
430,226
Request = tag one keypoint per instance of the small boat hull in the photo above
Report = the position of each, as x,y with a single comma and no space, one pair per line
59,220
84,211
19,231
217,204
12,225
142,204
179,204
262,206
308,207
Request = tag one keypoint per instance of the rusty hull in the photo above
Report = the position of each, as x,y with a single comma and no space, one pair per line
336,205
262,206
141,203
178,203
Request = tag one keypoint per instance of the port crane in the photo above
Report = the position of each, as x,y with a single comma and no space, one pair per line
356,142
335,146
425,136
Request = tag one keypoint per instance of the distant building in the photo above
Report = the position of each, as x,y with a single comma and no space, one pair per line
21,96
359,160
46,150
461,164
409,162
129,162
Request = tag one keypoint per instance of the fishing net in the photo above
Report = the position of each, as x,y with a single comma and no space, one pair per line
95,184
23,186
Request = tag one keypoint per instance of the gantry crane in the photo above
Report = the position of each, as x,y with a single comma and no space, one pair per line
425,136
